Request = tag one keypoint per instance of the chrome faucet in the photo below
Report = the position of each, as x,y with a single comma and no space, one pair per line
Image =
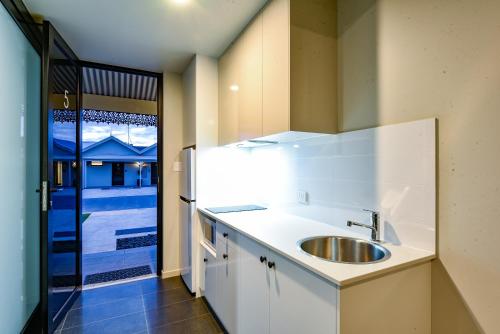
374,227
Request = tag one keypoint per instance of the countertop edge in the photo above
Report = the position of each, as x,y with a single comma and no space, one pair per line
339,283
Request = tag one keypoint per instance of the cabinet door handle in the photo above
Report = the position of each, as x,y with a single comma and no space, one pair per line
225,234
271,264
263,259
224,256
205,260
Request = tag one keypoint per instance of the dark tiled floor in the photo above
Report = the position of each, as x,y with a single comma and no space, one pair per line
147,306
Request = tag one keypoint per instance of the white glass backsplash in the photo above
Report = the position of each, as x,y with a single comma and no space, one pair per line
390,169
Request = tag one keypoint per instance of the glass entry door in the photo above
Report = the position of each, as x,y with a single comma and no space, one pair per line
61,241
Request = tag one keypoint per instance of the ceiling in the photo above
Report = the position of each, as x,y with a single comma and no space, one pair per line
154,35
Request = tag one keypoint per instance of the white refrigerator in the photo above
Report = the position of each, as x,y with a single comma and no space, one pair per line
187,206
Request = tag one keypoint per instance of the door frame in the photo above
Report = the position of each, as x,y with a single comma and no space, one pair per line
159,145
50,37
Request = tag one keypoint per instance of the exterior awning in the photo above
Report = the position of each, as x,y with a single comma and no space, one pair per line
104,116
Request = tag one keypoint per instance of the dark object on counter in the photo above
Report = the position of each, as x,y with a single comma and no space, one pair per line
239,208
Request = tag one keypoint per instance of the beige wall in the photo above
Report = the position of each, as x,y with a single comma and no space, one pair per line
189,104
172,145
406,60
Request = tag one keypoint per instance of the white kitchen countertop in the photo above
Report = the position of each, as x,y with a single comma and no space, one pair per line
281,232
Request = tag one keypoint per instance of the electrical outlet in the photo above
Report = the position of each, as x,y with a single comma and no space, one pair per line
302,197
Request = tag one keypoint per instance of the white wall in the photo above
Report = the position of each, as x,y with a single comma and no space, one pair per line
172,145
189,104
405,60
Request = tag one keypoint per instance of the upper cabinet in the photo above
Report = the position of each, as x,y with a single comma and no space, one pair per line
280,74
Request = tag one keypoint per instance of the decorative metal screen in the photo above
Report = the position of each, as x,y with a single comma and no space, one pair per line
103,116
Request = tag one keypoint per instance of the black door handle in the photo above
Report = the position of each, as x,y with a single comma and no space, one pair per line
224,235
263,259
224,256
271,264
205,260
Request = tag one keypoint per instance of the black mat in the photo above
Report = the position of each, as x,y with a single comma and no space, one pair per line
134,242
239,208
64,246
136,230
117,275
64,234
62,281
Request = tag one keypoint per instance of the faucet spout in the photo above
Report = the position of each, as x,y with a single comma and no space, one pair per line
374,227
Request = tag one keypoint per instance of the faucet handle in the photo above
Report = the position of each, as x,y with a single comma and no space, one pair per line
372,211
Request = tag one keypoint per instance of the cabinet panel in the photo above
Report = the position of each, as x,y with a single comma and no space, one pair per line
313,66
253,288
228,97
299,300
276,67
250,83
210,279
227,269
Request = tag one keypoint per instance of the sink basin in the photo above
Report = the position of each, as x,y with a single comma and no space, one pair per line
344,249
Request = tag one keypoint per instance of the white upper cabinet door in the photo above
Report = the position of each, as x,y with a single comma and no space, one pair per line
300,302
250,90
229,84
253,288
276,67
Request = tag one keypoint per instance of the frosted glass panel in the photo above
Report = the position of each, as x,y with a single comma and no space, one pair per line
19,176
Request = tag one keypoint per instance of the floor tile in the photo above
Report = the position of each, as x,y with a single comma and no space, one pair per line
154,285
175,312
167,297
204,324
108,294
130,323
162,305
88,314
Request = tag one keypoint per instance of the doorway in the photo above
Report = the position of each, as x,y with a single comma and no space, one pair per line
82,182
117,174
120,193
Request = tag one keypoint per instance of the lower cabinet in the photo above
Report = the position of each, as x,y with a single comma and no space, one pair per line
300,301
253,287
210,278
259,291
226,273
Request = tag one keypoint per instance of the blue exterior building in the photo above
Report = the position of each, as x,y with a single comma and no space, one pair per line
107,163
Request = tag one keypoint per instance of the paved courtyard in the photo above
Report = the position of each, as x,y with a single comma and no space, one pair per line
118,213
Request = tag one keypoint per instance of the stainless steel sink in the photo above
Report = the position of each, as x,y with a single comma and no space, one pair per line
344,249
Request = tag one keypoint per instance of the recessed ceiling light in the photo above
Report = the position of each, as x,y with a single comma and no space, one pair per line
180,2
234,88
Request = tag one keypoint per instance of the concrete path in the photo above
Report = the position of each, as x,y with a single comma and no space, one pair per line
111,210
118,192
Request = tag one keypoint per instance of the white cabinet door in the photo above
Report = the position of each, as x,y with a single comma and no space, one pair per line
210,278
253,288
300,302
227,269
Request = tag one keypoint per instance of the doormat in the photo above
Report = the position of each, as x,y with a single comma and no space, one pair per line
64,246
116,275
63,281
135,242
64,234
136,230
